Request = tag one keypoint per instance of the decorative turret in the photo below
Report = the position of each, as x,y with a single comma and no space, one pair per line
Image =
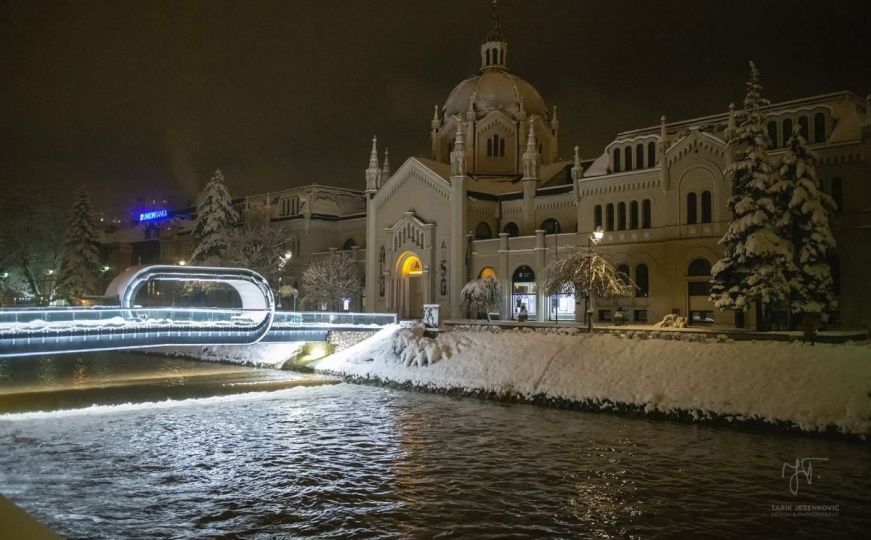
373,172
385,167
435,119
530,157
731,128
554,122
494,51
458,154
577,172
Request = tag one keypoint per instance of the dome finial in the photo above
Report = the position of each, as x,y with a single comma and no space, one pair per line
495,32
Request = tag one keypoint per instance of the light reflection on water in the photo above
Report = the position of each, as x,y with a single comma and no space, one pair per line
343,460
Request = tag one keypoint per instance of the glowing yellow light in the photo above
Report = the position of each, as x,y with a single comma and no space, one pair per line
488,272
412,266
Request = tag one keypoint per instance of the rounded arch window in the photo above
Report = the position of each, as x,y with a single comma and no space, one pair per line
550,226
642,281
523,274
412,266
699,267
512,229
483,231
487,272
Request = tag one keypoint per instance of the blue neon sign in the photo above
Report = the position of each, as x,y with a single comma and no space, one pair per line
153,215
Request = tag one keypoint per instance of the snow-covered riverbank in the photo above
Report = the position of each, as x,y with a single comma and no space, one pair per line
815,388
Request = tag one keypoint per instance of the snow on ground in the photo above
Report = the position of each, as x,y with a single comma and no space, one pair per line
813,387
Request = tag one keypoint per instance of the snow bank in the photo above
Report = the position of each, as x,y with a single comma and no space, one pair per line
813,387
269,355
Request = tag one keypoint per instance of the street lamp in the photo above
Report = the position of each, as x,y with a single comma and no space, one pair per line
593,241
182,262
282,262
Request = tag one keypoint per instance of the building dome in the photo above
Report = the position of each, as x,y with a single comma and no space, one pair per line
494,89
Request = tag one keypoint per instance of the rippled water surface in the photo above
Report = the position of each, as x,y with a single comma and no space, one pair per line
346,461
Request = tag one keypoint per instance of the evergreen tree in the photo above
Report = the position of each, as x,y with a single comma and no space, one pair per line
215,219
755,261
80,261
805,223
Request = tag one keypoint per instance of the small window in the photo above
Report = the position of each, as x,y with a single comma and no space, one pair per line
550,226
804,127
349,243
623,273
706,207
642,281
701,317
609,217
597,216
692,209
605,315
698,288
837,193
651,155
628,156
645,214
633,215
616,165
639,315
835,267
819,128
511,229
483,231
621,216
772,133
501,147
787,130
489,143
639,156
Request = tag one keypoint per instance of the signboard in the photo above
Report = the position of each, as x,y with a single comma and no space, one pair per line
154,215
431,315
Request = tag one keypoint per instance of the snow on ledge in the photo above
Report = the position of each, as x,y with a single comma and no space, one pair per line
814,388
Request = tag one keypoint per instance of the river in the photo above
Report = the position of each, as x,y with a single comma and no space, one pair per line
295,458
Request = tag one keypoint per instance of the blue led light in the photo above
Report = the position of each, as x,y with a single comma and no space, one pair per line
154,214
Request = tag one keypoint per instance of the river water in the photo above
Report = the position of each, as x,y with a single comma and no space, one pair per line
340,460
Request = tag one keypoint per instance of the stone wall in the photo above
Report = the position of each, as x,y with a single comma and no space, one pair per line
342,339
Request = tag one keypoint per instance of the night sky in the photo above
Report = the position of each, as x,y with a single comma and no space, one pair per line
147,98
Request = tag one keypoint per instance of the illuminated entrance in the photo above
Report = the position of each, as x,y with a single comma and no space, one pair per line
410,286
523,292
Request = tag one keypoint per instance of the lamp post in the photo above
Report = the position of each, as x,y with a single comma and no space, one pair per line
593,241
282,262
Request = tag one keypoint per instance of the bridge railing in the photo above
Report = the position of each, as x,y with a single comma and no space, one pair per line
64,320
285,319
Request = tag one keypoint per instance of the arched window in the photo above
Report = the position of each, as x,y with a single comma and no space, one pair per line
835,268
597,216
483,231
787,130
639,156
651,154
645,214
511,229
819,128
489,144
609,217
692,209
706,207
772,134
633,215
501,147
699,267
550,226
623,273
621,216
349,243
804,127
616,166
642,281
628,155
489,62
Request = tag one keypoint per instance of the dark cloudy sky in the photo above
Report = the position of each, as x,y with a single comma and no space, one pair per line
145,98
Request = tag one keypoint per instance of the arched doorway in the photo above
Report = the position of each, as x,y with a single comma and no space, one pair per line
410,287
523,291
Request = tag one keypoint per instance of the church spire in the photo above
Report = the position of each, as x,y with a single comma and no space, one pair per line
530,157
458,154
385,167
373,172
494,51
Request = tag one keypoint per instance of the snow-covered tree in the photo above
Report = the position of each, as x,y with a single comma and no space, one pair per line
583,272
804,221
756,258
80,262
261,247
330,280
216,217
481,296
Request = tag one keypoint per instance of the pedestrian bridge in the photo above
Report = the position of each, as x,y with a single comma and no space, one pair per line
56,330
